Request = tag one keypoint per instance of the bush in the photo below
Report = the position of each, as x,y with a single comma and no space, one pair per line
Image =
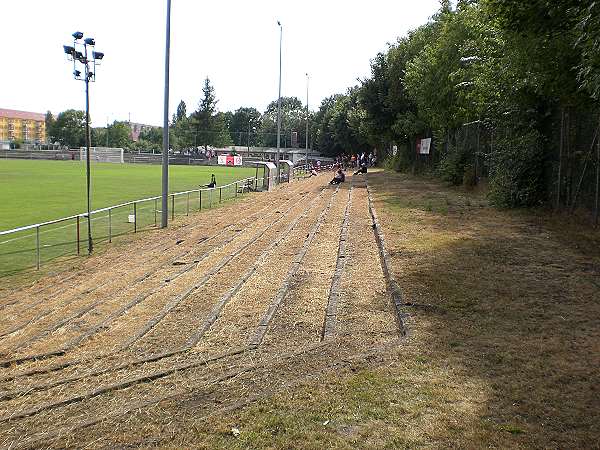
452,165
517,171
469,176
400,163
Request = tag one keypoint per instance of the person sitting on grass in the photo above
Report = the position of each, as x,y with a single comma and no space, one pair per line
213,181
361,169
339,177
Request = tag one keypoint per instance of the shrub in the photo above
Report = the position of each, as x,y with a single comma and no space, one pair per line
452,165
517,171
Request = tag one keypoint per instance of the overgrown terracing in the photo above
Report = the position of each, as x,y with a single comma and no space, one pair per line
276,329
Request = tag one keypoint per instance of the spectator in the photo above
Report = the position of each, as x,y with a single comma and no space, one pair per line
213,181
362,168
339,177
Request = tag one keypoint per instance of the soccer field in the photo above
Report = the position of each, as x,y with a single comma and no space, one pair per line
37,191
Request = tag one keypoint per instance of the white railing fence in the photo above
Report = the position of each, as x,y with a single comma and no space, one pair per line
32,245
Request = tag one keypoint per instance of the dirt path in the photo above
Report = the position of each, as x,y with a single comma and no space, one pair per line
280,285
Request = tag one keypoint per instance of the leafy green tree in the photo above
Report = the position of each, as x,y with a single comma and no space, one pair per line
293,118
153,135
69,128
242,120
49,124
209,126
119,135
180,114
587,14
340,125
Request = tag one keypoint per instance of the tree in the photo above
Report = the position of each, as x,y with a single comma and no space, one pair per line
49,124
242,120
203,117
149,139
340,125
588,41
293,118
181,112
209,125
69,128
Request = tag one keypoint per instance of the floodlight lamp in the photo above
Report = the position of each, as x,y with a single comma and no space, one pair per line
77,73
98,55
77,35
90,75
278,23
78,55
90,41
68,49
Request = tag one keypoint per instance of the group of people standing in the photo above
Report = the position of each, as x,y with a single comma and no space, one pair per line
356,160
361,162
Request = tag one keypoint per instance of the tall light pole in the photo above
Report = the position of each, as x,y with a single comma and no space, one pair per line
307,79
253,129
89,59
279,101
164,217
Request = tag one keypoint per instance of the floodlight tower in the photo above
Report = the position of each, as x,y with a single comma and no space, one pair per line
279,103
84,56
307,116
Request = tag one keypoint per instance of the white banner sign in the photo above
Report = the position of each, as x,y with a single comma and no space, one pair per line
425,146
230,160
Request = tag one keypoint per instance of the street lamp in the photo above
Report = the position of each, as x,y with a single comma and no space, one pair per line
253,129
279,102
80,53
307,79
164,217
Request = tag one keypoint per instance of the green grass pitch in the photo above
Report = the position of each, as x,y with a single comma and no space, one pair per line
38,191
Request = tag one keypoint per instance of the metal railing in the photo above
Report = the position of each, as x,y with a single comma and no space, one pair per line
31,245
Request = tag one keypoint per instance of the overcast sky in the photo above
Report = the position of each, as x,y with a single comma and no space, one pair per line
233,42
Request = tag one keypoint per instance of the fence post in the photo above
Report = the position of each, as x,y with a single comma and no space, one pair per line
210,200
135,217
236,187
37,246
199,199
172,206
110,225
220,194
155,223
188,204
78,235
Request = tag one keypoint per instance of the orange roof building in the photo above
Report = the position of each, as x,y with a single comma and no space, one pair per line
23,125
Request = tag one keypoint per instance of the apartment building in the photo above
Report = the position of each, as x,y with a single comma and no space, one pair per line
23,125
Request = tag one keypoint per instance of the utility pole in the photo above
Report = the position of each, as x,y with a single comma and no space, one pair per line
248,138
307,79
279,103
164,217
